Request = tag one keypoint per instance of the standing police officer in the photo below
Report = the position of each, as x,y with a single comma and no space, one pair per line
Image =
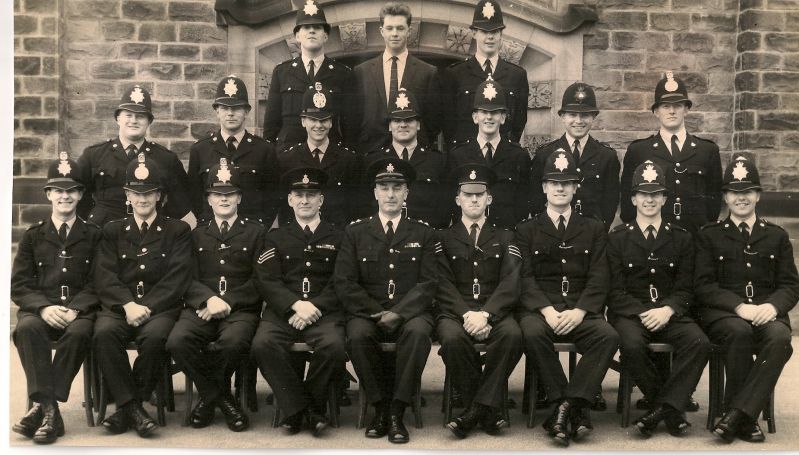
222,303
51,282
251,157
143,268
692,164
598,193
460,80
103,165
746,283
295,277
292,78
477,293
652,281
386,276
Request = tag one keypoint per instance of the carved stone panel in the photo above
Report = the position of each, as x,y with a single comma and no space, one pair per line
459,39
353,36
512,51
264,79
413,37
540,95
531,142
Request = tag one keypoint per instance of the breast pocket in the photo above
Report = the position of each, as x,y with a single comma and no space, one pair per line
692,180
249,176
368,263
539,257
105,176
291,97
728,264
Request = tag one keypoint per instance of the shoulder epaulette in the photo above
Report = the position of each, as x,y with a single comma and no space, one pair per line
360,221
710,225
763,220
642,139
676,227
418,221
621,228
37,224
702,139
459,62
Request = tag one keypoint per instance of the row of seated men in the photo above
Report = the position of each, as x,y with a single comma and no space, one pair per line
148,278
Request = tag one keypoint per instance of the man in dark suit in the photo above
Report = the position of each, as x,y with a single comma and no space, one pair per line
52,283
103,165
429,197
746,283
477,293
510,162
692,164
292,78
222,303
378,82
460,80
652,281
386,276
250,156
295,278
341,165
565,283
598,193
143,268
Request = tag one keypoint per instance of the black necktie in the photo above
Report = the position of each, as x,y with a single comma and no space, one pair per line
487,67
131,151
675,147
311,70
473,233
223,230
62,232
577,152
143,231
405,154
231,145
562,226
390,231
316,152
308,233
489,153
393,83
744,231
650,237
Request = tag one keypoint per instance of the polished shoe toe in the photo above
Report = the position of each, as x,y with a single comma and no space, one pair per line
52,426
378,427
728,426
493,423
118,422
293,424
751,432
317,423
235,418
30,422
141,420
203,414
397,433
693,405
599,403
676,424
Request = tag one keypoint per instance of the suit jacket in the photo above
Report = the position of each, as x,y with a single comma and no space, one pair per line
223,265
492,269
693,180
290,81
459,82
155,271
47,271
730,271
257,163
598,193
372,275
566,273
419,78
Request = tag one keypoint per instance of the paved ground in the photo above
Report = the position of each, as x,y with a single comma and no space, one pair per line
607,436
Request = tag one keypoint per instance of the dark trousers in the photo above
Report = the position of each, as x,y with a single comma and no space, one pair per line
387,376
271,350
50,377
749,383
503,351
210,367
596,340
691,349
111,336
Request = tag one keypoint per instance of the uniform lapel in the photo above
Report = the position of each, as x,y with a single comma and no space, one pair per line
688,148
376,229
574,227
212,230
245,147
77,233
119,153
590,152
660,149
758,231
377,78
547,227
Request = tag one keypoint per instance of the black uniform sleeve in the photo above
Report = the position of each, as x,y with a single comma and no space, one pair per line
112,291
449,301
683,290
24,277
533,297
713,191
273,118
178,203
269,278
520,110
786,295
506,295
611,191
619,301
86,204
627,208
195,183
537,197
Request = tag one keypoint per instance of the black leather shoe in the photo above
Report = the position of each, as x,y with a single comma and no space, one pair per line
750,431
52,425
293,424
203,414
692,405
493,422
379,426
580,420
728,426
676,424
647,424
118,422
317,423
397,433
557,425
140,420
235,418
599,403
30,422
465,423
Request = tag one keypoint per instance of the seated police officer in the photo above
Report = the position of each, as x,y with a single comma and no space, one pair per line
652,272
386,277
143,268
477,293
565,282
294,276
51,282
746,283
222,303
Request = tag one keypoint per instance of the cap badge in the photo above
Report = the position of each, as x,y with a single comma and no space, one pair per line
63,167
473,175
561,163
319,100
489,92
488,10
310,9
671,84
739,172
318,86
650,174
136,95
141,172
390,167
305,179
580,95
231,88
223,174
402,101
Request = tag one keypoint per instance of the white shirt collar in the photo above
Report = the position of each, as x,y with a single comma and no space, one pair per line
750,222
322,148
125,144
481,59
666,136
317,63
398,148
468,223
313,224
229,222
149,220
401,58
239,136
384,220
570,140
57,223
482,141
643,226
554,216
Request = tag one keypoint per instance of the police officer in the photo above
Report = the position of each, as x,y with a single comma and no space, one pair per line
692,164
292,78
386,276
509,161
222,303
429,198
251,157
143,268
103,165
341,165
51,283
295,277
746,283
478,291
598,193
460,79
652,271
564,287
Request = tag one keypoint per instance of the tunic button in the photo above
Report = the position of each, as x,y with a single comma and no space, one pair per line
307,264
364,259
221,261
64,252
413,259
651,270
563,261
671,264
748,264
677,217
64,269
475,264
144,250
391,266
677,200
475,280
677,182
305,296
142,267
629,265
391,250
223,246
678,164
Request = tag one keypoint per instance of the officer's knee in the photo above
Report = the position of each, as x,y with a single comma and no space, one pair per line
29,326
333,348
263,346
176,344
153,343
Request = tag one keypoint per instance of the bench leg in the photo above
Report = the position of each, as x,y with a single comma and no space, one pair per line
446,402
363,405
189,401
332,402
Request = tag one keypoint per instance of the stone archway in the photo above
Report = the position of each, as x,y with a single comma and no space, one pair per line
543,36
